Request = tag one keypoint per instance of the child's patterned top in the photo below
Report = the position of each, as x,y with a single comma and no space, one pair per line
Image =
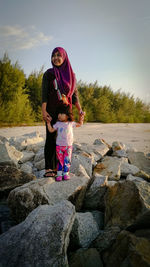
64,132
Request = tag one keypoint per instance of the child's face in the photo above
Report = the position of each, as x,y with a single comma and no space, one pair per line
57,59
62,117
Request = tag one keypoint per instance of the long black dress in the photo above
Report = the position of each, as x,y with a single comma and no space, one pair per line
49,95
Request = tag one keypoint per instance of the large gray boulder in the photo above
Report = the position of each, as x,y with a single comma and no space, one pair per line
140,160
128,250
41,240
26,140
27,156
9,155
11,177
85,258
126,203
109,166
85,229
105,239
84,159
98,150
127,168
94,198
24,199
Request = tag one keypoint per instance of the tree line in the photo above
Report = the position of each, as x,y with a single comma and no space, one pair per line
20,99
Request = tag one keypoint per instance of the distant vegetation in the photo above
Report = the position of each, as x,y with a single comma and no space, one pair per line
20,99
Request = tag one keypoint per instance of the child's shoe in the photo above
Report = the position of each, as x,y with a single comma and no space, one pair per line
66,177
58,178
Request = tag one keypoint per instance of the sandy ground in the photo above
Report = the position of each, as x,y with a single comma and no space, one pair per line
133,135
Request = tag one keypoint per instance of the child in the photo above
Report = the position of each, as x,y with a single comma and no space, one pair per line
64,140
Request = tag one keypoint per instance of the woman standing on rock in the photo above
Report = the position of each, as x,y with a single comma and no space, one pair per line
58,86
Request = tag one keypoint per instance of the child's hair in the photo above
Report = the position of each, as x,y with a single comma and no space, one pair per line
65,109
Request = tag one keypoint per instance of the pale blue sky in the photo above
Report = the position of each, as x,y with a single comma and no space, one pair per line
106,40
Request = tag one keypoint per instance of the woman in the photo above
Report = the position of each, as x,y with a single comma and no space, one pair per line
58,84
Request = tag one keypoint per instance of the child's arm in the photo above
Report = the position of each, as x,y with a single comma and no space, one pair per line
80,123
50,128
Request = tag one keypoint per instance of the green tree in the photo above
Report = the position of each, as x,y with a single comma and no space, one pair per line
33,88
14,102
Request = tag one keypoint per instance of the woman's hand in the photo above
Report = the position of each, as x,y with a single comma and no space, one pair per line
81,116
46,116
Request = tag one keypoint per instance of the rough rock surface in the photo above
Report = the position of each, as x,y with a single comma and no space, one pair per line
22,200
85,258
115,197
128,250
85,229
26,140
11,177
94,198
126,202
9,155
140,160
41,240
105,239
110,166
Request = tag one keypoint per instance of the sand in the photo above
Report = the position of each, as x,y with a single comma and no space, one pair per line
136,135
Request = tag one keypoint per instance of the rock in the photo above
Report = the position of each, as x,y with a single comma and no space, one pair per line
85,258
22,142
117,146
3,139
105,239
111,183
85,229
142,222
143,233
5,219
24,199
101,142
97,150
35,147
11,177
128,250
41,240
140,160
127,168
40,165
39,174
126,203
27,156
132,178
94,198
109,166
120,153
84,159
143,175
9,155
39,155
26,167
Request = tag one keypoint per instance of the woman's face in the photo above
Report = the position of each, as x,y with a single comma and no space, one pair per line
57,59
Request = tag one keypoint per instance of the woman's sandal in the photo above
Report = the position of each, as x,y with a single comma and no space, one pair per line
50,174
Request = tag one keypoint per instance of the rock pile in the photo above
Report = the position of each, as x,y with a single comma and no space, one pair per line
100,217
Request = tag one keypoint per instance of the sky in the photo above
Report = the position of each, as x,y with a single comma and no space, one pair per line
107,41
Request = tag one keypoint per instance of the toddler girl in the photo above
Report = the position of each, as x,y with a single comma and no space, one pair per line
64,140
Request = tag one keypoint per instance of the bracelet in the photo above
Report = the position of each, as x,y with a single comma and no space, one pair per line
81,112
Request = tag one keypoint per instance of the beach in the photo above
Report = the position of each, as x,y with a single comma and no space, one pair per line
133,135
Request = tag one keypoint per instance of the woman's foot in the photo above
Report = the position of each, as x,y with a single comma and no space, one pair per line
50,173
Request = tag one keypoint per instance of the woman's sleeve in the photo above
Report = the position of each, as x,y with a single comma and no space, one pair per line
44,88
75,98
